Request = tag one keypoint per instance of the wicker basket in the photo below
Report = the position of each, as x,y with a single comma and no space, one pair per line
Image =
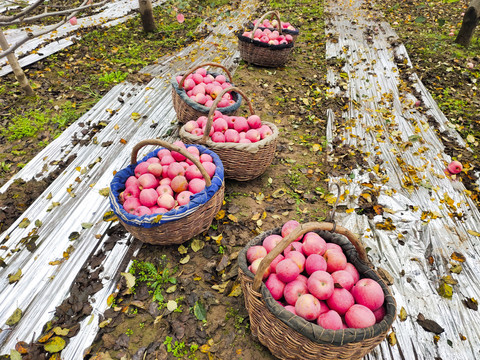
187,109
289,336
263,54
177,225
241,161
293,33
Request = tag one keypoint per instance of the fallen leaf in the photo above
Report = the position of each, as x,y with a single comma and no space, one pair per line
15,277
60,332
403,314
471,303
15,355
445,290
220,215
130,279
46,337
15,317
135,116
199,311
474,233
55,344
236,290
232,218
171,289
185,260
429,325
197,245
104,192
392,338
24,223
458,257
182,250
105,323
172,305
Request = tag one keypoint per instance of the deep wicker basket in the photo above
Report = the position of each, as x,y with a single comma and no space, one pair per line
177,225
288,336
241,161
263,54
186,108
293,33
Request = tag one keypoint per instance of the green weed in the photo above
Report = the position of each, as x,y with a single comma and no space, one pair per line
179,349
114,77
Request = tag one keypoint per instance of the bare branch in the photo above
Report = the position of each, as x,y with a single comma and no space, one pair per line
31,35
18,20
21,13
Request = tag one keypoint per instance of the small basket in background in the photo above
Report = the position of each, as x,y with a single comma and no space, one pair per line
241,161
288,336
177,225
186,108
263,54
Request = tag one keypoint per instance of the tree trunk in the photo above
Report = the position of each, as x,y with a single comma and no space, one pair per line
470,21
146,13
17,70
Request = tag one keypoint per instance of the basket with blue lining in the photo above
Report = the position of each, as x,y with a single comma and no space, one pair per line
188,109
179,224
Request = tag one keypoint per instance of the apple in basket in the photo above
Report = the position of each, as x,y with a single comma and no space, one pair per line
318,282
157,188
203,88
230,129
274,23
269,37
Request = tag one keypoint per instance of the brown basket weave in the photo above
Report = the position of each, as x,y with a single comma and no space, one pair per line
186,227
258,53
241,161
288,336
188,109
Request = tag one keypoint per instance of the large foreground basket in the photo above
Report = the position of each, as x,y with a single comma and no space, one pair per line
186,108
177,225
241,161
289,336
263,54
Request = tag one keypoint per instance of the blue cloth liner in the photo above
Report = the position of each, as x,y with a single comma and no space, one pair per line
117,185
225,110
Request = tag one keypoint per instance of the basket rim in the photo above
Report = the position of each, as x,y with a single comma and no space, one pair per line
248,40
154,220
248,147
250,24
313,331
202,108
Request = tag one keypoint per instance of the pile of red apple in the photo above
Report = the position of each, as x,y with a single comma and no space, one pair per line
274,23
268,36
225,128
314,280
204,88
165,181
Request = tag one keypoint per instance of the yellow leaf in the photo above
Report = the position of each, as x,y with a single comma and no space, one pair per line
474,233
236,290
256,217
316,147
470,138
349,211
218,239
15,277
185,260
392,338
403,314
232,218
135,116
55,344
220,215
61,332
458,257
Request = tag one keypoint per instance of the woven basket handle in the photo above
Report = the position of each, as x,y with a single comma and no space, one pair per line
275,14
209,124
203,65
171,147
300,231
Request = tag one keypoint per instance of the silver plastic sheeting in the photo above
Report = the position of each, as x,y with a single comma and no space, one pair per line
418,199
76,194
110,14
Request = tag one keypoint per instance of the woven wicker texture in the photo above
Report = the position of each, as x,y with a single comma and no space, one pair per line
187,109
290,337
241,162
262,54
187,224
